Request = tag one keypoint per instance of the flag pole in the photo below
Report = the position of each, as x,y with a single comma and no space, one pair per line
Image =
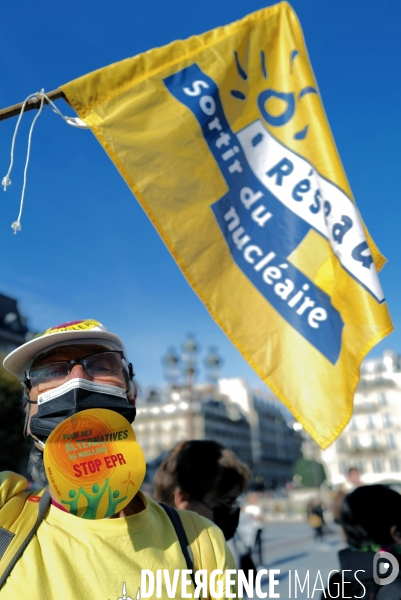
34,103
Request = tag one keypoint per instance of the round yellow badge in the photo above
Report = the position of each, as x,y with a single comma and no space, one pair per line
94,464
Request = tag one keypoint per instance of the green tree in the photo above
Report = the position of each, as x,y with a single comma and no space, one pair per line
311,471
13,446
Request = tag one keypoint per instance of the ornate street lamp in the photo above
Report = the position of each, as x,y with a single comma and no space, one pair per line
212,364
171,364
189,360
186,365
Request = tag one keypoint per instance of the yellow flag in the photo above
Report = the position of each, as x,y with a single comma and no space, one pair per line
224,141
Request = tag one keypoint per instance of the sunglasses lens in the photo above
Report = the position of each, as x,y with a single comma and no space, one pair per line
106,365
54,372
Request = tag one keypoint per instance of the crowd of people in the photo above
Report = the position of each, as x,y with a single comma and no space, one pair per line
49,549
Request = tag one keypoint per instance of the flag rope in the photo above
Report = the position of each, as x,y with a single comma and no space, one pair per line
73,121
32,104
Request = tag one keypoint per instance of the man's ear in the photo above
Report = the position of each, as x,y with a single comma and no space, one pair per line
132,392
181,500
395,534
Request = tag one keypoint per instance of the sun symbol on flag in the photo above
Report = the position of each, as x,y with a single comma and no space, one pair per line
128,481
289,98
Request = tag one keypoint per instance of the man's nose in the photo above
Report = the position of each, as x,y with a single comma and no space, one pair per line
78,371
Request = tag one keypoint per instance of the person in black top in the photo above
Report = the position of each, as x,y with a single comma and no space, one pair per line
371,520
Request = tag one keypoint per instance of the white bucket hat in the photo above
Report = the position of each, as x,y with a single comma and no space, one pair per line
20,359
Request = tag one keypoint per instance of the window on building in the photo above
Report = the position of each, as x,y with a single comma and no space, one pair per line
383,399
367,404
369,422
395,464
386,420
377,465
354,426
391,441
355,442
360,465
341,445
343,467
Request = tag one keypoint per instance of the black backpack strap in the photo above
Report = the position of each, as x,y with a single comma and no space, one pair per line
43,505
182,537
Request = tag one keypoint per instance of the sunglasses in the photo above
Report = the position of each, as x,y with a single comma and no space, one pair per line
101,366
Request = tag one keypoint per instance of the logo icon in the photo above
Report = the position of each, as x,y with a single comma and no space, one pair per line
385,568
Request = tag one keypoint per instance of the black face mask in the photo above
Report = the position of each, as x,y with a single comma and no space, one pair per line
73,396
225,517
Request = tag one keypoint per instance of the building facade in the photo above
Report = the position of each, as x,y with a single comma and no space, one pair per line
165,417
250,423
371,441
276,446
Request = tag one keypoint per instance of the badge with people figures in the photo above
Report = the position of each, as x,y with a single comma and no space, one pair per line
94,463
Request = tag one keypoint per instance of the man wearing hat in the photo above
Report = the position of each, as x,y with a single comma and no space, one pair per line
48,551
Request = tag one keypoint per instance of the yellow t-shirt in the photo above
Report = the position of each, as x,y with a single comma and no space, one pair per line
71,558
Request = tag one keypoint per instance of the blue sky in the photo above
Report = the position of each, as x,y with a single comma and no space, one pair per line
86,249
